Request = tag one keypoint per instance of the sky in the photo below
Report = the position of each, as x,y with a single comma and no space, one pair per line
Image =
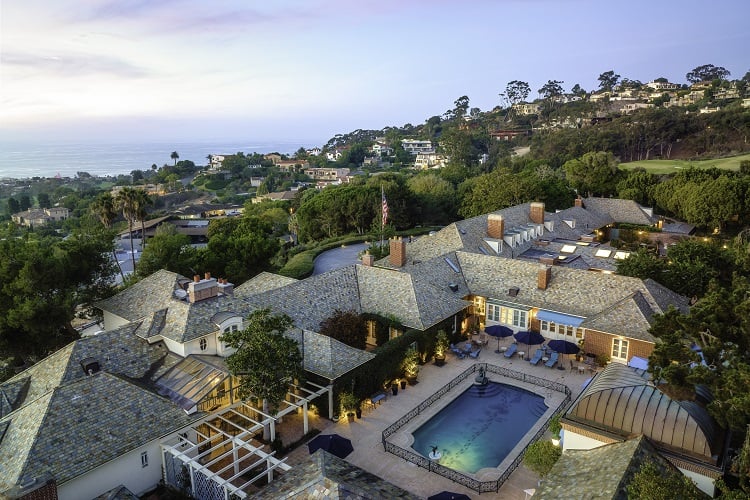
189,70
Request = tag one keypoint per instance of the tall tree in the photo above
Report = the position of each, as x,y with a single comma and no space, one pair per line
13,206
552,88
168,250
25,202
265,360
593,173
707,72
577,90
104,208
175,156
517,91
126,201
142,201
43,200
608,80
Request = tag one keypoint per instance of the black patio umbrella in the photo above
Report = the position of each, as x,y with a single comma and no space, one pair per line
449,495
498,331
563,346
332,443
529,338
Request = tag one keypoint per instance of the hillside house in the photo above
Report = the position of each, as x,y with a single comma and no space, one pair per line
36,217
415,146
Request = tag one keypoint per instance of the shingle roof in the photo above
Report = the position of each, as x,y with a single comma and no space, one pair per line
603,472
606,300
79,425
619,210
326,356
153,300
622,400
262,282
327,476
314,299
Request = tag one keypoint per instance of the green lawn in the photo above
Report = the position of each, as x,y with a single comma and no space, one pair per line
671,166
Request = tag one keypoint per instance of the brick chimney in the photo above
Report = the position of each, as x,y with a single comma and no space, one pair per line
398,252
225,287
536,212
543,277
368,259
579,202
495,226
201,289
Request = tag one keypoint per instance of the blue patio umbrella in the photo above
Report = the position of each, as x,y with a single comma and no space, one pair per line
449,495
563,346
498,331
529,338
332,443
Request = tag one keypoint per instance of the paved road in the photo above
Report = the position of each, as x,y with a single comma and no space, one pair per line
338,257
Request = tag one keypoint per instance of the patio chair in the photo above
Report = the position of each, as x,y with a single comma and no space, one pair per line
467,348
457,351
483,340
511,350
537,356
552,359
475,354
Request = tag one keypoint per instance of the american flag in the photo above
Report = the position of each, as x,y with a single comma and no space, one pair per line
384,208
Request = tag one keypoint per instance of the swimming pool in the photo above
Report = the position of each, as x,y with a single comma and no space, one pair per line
480,427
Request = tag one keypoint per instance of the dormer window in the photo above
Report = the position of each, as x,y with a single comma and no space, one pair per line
203,344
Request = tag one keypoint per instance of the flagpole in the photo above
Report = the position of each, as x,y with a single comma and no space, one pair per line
382,221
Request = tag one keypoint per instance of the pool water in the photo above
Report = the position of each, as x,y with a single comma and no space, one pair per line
480,427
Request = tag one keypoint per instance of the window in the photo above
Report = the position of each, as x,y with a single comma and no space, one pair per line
619,349
372,337
394,332
203,343
144,459
507,315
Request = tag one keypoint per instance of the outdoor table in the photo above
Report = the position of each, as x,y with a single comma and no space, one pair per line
581,369
545,359
521,354
503,349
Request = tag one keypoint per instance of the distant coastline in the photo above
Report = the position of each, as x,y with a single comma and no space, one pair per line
22,160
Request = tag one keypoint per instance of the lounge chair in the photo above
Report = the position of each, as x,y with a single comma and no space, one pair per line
458,352
475,354
537,356
511,350
552,359
483,340
467,348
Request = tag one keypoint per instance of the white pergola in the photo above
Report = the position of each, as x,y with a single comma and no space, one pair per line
191,446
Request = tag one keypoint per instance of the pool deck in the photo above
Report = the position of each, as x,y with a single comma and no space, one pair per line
365,433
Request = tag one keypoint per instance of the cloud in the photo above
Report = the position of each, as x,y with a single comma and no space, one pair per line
72,64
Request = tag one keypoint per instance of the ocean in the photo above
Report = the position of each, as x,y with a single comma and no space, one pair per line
21,160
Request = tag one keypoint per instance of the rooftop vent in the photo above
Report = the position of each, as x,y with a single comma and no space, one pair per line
90,366
513,291
453,287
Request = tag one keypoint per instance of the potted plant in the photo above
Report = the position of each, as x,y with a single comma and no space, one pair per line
349,403
394,387
403,383
602,359
441,346
410,365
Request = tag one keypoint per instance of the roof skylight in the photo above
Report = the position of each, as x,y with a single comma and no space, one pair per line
568,249
603,253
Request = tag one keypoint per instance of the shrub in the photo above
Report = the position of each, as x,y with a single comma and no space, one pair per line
555,427
441,343
540,456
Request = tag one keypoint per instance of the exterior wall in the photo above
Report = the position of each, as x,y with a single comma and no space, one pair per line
572,441
112,321
597,342
175,347
705,484
126,470
193,347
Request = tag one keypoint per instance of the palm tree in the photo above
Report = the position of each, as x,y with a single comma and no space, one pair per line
142,200
175,156
103,207
126,201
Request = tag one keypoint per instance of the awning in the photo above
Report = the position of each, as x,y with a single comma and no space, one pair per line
640,363
562,319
